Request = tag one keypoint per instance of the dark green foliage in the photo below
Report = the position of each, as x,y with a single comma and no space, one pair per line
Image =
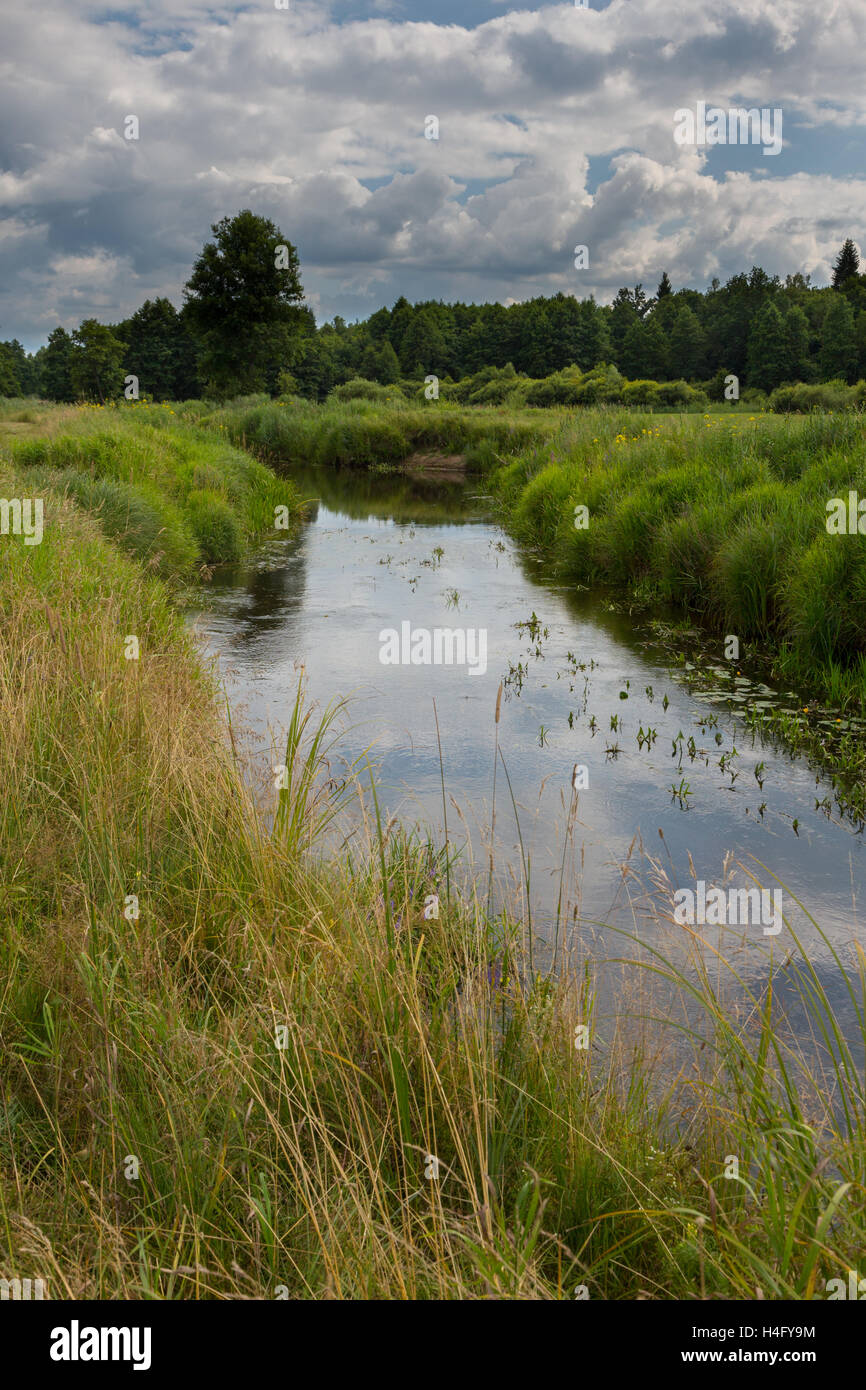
56,364
20,373
688,345
838,355
160,352
665,287
96,363
249,331
769,359
847,264
243,304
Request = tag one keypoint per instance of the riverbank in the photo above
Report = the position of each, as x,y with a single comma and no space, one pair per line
359,433
167,493
235,1071
727,520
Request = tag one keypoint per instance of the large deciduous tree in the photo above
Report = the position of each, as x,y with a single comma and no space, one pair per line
243,304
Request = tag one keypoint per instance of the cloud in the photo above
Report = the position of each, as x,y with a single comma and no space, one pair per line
320,124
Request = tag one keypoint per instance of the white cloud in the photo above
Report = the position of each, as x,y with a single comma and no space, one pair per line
294,114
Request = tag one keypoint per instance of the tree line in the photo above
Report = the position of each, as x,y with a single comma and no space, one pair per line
244,328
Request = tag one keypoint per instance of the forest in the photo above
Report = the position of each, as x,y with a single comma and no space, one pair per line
767,332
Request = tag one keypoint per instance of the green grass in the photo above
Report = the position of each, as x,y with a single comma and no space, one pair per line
358,433
725,517
173,498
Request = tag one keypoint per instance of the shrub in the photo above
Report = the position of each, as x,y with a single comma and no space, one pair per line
828,395
360,389
640,393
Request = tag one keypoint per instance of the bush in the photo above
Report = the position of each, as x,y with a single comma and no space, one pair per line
360,389
828,395
673,393
640,393
559,389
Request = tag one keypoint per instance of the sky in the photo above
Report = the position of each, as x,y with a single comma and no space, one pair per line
556,129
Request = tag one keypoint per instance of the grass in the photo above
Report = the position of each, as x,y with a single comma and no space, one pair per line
175,499
228,1061
725,518
360,433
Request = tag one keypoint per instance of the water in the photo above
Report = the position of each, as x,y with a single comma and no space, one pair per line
383,550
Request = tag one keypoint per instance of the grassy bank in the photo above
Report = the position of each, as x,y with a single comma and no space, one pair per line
724,518
359,433
227,1064
174,498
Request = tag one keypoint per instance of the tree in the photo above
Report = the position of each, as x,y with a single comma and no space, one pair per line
96,362
10,384
622,316
860,337
656,348
847,264
314,368
688,345
634,354
20,372
56,364
369,364
378,323
768,353
422,349
401,316
159,351
838,355
535,348
242,304
593,342
665,287
797,334
388,366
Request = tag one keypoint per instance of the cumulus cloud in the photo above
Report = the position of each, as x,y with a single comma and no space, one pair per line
555,125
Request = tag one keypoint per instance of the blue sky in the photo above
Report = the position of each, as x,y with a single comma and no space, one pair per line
556,129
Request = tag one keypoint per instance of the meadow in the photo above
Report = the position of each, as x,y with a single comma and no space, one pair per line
229,1060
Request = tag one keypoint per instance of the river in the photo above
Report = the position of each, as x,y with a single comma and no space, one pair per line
584,685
